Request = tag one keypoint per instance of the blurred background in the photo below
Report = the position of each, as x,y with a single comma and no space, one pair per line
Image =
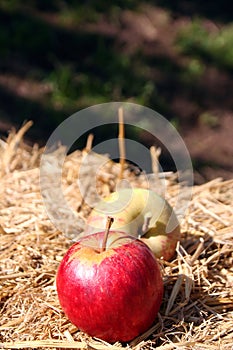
176,57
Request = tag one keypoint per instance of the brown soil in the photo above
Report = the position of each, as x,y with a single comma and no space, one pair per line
208,136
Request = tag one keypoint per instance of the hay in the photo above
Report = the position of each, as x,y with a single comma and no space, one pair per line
197,309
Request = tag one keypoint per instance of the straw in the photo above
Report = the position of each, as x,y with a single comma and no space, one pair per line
197,308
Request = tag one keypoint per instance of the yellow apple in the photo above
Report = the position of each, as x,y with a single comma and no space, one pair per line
140,213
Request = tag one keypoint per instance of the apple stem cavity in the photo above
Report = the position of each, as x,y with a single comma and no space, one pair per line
123,237
106,233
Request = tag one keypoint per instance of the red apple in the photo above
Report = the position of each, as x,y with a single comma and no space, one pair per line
112,292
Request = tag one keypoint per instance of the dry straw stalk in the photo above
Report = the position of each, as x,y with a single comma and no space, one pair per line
197,309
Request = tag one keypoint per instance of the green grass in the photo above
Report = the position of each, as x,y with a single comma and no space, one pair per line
215,48
209,119
109,76
85,67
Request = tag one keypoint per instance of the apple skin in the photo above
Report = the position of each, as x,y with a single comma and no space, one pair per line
129,207
113,295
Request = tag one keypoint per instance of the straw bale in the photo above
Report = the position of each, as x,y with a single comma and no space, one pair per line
197,308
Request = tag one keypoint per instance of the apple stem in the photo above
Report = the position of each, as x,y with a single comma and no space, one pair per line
108,226
147,219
